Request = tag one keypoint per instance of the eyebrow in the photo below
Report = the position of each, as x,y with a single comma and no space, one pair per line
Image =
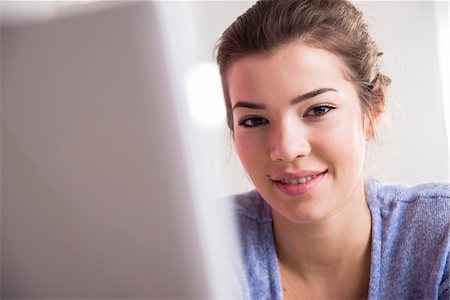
294,101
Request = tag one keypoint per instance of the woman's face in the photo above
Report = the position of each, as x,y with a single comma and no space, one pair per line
299,131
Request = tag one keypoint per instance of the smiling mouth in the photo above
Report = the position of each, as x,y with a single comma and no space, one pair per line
298,186
294,181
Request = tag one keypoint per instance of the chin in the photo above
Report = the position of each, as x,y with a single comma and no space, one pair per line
299,210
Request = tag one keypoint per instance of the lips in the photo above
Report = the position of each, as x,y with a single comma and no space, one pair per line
298,183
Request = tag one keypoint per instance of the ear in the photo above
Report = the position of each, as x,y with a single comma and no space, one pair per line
372,119
371,125
369,129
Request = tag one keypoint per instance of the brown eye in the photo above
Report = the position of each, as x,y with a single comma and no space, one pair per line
318,111
252,122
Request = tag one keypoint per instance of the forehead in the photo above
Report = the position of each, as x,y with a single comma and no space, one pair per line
289,70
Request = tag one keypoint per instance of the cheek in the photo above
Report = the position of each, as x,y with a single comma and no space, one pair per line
345,143
249,151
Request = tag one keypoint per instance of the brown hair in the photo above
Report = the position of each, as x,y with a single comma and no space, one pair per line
333,25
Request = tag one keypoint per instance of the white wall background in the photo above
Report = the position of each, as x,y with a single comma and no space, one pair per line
413,145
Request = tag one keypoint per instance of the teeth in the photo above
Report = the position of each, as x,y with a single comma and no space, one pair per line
298,180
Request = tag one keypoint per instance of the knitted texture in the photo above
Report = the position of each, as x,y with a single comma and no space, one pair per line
410,242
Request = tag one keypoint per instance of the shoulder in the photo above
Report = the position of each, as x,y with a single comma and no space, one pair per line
429,196
410,238
408,193
410,214
422,208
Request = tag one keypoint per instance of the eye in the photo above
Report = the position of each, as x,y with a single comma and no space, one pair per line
251,122
319,111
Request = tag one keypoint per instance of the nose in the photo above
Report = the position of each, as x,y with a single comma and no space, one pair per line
288,142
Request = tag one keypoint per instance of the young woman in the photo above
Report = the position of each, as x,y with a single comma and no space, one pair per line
304,95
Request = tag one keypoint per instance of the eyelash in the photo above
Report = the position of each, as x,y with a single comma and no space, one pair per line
262,121
327,107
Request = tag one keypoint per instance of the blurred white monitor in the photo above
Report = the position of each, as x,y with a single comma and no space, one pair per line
99,198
